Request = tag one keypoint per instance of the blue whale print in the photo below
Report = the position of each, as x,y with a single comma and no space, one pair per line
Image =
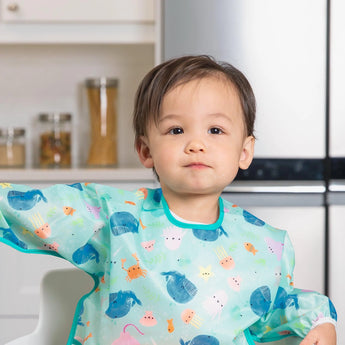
23,201
120,303
157,196
9,235
123,222
81,312
260,300
209,235
252,219
85,254
284,300
332,310
76,185
201,340
179,287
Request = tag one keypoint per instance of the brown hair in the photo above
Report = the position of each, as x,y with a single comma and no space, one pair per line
172,73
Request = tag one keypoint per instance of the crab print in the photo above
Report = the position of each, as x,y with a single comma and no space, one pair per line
134,271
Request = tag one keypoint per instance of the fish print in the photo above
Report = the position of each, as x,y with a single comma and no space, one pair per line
68,211
171,327
251,249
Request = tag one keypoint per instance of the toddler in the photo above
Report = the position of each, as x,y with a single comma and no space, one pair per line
178,264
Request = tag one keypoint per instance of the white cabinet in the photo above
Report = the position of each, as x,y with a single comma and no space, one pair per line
337,57
26,11
337,258
77,21
47,50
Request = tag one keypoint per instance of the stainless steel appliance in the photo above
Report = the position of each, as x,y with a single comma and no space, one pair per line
293,53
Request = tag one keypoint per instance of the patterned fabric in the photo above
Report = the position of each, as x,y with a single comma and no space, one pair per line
157,279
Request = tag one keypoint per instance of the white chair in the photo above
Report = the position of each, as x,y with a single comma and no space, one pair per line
60,292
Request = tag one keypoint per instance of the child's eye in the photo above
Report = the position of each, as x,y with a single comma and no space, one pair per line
176,130
215,130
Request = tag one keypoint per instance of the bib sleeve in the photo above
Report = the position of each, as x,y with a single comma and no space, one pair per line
293,311
69,221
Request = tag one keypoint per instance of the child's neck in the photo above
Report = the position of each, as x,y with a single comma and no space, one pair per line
195,208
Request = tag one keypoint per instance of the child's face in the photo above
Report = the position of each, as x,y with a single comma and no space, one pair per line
200,141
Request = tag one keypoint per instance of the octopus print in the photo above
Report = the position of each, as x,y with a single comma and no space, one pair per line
189,317
173,237
42,229
225,260
215,303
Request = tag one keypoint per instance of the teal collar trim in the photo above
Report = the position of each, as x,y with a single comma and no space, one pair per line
181,224
248,336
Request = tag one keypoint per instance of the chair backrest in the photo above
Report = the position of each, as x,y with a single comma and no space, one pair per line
60,292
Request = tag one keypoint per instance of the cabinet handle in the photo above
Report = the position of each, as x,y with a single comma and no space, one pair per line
13,7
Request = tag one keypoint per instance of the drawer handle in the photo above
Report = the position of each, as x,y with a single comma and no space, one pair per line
13,7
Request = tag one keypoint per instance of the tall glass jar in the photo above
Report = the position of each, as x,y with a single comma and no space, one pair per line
55,140
102,99
12,147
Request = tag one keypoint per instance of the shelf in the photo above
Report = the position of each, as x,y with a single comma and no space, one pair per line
119,33
119,175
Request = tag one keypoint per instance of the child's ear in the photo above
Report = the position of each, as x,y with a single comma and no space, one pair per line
144,153
247,153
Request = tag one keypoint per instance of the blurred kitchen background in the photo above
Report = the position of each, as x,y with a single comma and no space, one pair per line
292,52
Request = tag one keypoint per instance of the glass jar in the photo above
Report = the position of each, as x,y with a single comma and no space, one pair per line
102,98
55,140
12,148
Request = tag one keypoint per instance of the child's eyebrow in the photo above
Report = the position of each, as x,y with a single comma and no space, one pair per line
177,117
221,116
169,117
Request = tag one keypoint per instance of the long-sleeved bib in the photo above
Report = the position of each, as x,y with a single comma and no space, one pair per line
159,280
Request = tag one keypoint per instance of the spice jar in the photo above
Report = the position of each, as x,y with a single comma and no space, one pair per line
12,148
55,140
102,98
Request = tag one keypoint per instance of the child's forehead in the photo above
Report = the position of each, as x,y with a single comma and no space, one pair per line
213,78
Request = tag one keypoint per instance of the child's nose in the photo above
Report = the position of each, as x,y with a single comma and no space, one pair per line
195,146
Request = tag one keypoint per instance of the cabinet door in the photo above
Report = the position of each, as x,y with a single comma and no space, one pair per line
305,226
26,11
337,258
337,106
280,46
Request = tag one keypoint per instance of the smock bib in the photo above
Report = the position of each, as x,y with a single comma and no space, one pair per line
159,280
